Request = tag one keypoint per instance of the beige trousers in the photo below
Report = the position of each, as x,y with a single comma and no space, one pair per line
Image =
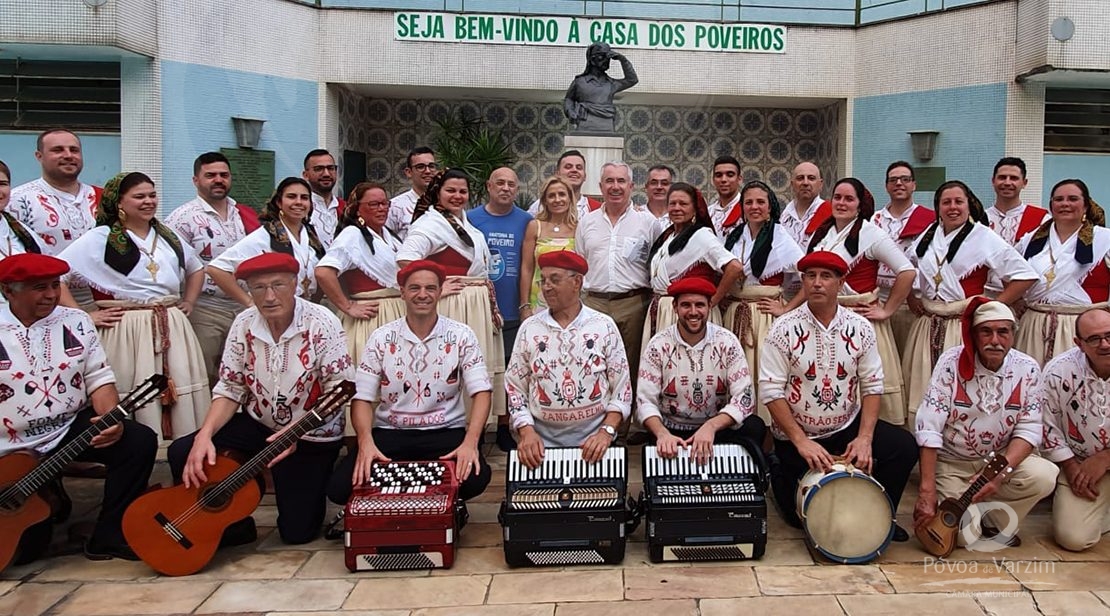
211,321
1078,523
629,314
1032,480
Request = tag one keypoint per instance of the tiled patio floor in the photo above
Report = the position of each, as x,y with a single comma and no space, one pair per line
270,578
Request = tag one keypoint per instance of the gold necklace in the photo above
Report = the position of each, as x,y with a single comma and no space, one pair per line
1050,275
939,276
151,267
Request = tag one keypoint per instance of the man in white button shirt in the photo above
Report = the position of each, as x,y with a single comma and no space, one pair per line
572,168
420,168
321,173
615,241
660,178
805,212
58,207
726,211
903,220
212,223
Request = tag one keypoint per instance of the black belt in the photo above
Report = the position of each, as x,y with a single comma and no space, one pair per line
615,296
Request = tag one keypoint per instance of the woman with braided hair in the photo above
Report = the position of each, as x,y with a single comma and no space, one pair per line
285,228
688,247
1071,252
767,255
358,274
147,279
850,234
954,257
440,232
14,237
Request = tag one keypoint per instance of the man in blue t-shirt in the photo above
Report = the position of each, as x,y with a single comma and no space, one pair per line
504,225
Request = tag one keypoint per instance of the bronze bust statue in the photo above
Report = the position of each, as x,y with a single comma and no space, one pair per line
589,100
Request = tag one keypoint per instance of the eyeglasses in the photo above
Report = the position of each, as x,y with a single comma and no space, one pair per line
555,280
425,167
323,168
900,179
1097,339
260,289
375,204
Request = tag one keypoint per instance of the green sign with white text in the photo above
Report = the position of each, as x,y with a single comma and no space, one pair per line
583,31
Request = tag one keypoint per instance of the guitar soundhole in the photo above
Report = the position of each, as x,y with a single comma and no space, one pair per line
213,500
949,519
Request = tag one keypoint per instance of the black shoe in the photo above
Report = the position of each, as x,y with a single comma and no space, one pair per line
990,532
900,535
98,551
240,533
505,441
334,529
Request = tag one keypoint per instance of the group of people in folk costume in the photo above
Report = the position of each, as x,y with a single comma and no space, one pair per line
829,322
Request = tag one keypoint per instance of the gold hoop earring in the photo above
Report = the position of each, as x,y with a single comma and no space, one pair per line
361,222
122,216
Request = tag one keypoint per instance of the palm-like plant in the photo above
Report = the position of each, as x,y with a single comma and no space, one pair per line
468,144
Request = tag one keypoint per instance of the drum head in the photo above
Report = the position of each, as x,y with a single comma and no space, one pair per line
849,518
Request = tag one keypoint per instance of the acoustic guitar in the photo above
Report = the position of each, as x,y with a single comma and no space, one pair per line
938,534
177,530
23,474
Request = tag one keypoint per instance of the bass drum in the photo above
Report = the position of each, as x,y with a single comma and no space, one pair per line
846,514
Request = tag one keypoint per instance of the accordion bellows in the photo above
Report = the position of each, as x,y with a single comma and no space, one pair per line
407,516
715,511
566,511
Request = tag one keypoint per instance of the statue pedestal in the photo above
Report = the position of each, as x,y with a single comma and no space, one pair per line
597,150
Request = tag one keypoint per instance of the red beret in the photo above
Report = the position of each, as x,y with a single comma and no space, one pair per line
423,265
825,259
565,259
691,284
31,266
267,263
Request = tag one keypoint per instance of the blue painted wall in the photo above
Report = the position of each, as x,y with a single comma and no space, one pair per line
198,103
101,155
1091,168
972,125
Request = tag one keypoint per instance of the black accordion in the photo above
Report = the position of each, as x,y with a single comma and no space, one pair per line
715,511
565,511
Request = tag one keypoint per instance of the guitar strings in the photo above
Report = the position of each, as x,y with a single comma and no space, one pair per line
333,399
137,398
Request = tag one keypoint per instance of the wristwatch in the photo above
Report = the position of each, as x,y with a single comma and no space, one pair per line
610,430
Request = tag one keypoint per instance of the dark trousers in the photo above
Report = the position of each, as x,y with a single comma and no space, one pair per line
300,480
893,454
411,445
129,462
750,433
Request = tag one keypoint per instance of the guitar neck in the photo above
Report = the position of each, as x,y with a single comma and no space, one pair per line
53,465
989,473
312,420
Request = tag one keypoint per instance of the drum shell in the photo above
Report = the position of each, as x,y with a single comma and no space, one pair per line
864,522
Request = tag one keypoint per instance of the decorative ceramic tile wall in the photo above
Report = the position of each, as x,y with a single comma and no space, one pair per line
767,142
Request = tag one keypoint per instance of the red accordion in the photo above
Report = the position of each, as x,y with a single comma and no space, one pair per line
406,516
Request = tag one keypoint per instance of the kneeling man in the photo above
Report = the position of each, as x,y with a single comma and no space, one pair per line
567,379
982,400
1075,391
411,381
281,355
821,378
695,387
